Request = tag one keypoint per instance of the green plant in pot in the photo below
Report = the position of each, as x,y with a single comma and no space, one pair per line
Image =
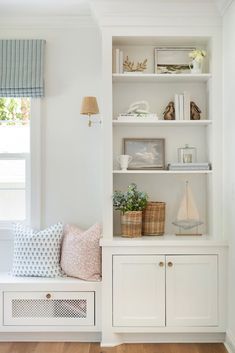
131,204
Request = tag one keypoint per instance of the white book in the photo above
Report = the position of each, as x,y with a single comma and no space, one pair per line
201,164
181,106
121,62
117,61
189,166
186,105
177,108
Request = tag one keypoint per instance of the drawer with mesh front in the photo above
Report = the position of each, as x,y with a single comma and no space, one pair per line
49,308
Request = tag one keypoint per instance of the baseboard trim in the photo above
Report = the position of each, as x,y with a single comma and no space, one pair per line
230,342
50,337
167,338
124,338
174,338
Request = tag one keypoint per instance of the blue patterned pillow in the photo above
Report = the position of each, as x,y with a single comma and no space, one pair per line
37,254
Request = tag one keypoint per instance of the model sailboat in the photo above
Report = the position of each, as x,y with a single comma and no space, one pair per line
188,215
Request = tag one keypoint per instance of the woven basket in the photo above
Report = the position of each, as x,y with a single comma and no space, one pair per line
154,218
131,223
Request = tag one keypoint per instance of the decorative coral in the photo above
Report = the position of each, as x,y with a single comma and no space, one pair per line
130,66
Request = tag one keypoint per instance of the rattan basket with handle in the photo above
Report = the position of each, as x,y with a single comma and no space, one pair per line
131,223
154,218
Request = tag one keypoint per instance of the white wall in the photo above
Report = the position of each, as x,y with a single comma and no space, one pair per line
71,152
229,154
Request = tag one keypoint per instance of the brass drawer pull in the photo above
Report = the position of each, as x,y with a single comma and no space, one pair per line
170,264
48,296
161,263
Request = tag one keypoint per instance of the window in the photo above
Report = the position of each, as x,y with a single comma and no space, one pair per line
15,175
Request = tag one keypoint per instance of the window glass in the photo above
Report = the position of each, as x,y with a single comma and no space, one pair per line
14,125
14,158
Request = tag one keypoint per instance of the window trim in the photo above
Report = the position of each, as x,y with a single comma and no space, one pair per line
33,172
35,203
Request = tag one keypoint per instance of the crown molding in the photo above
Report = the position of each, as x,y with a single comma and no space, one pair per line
59,22
223,5
156,13
106,13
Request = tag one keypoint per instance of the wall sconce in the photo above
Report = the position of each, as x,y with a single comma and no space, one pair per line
89,107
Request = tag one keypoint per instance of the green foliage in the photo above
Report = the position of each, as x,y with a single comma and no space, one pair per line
14,110
131,200
197,55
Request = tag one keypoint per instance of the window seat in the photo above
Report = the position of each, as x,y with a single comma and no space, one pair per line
58,304
7,278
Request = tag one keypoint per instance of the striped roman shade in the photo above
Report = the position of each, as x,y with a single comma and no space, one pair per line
21,68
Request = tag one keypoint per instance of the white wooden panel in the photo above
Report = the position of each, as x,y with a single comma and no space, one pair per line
62,308
191,291
138,290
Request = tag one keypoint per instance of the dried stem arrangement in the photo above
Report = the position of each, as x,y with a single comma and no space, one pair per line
130,66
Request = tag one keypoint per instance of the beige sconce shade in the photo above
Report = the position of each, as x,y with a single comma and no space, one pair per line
89,106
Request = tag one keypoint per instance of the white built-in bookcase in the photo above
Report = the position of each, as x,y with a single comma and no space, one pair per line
120,90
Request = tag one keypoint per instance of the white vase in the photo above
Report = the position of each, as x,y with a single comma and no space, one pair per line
196,67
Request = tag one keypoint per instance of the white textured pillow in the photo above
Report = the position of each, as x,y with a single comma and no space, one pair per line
80,254
37,254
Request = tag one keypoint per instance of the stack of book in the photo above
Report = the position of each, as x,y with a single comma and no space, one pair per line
189,166
118,61
182,106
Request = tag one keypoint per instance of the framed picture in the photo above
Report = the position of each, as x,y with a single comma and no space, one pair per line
146,153
172,60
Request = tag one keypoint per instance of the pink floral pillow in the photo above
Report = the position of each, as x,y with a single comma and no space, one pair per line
80,253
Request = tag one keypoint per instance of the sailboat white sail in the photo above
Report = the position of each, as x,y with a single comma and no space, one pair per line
188,215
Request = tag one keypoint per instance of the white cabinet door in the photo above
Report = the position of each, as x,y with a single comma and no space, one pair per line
139,290
191,290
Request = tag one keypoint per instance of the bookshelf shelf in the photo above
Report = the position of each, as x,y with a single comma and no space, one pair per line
157,123
139,77
162,172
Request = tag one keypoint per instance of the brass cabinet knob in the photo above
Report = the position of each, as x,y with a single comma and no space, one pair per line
48,296
170,264
161,263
